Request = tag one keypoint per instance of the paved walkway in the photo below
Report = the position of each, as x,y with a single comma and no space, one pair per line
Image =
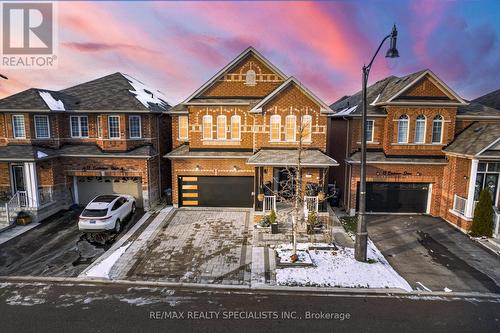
6,234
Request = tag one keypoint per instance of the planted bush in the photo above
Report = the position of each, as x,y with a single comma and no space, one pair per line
482,224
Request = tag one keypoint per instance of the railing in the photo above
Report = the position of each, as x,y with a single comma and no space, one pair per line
45,195
12,205
310,204
459,204
269,203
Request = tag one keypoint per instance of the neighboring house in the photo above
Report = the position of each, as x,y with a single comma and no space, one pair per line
63,147
428,150
239,131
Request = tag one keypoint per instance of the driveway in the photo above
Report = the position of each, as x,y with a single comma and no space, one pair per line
54,248
199,245
429,253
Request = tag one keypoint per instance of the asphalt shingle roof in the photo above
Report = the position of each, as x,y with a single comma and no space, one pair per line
380,157
183,152
289,157
491,99
474,139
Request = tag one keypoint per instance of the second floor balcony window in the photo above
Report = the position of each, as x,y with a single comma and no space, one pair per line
134,127
437,129
235,127
420,129
403,129
18,126
42,127
183,127
114,127
79,127
221,127
275,128
207,127
291,128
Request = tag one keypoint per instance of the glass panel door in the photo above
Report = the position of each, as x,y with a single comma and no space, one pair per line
491,183
18,178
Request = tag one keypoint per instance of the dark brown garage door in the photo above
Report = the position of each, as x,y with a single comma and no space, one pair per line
215,191
396,197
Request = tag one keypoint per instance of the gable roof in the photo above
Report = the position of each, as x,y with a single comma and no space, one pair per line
29,99
486,106
323,107
491,99
233,63
474,140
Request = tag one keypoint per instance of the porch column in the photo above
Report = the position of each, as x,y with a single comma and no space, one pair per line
472,186
31,184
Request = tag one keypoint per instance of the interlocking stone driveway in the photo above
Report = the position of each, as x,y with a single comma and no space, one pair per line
201,246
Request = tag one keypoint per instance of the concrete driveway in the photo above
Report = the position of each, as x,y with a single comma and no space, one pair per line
199,245
429,253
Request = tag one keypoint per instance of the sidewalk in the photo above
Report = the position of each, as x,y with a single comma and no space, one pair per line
8,233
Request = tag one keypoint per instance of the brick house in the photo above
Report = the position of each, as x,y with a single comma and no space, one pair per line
235,135
428,150
63,147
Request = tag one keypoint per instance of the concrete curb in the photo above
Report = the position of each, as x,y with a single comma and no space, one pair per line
490,248
261,288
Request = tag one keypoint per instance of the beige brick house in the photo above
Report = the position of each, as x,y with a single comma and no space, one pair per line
235,135
63,147
428,150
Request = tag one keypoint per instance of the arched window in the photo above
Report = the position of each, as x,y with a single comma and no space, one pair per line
221,127
207,127
306,128
420,129
236,127
291,128
250,78
437,129
403,129
275,128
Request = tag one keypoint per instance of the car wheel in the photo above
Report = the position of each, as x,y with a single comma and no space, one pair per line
118,226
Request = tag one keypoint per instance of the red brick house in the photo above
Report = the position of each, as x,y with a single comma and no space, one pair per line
428,150
63,147
234,136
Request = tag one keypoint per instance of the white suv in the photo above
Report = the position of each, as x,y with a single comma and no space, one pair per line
106,212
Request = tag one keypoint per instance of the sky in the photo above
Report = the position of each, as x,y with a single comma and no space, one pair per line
177,46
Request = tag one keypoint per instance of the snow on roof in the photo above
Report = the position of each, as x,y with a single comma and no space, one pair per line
346,111
52,103
375,100
145,94
41,154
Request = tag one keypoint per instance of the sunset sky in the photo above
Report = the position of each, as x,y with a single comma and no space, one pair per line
176,46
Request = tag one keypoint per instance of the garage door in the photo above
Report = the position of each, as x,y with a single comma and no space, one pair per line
216,191
396,197
90,187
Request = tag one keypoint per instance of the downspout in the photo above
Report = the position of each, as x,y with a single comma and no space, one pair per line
347,178
159,155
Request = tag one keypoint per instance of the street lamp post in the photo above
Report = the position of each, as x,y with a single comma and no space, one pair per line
362,234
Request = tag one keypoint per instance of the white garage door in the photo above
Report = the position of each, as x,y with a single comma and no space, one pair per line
90,187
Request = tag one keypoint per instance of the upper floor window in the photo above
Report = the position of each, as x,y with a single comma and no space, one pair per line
18,126
207,127
275,127
369,130
134,127
306,128
291,128
221,127
42,127
403,129
437,129
99,127
79,126
250,78
183,127
114,127
420,129
235,127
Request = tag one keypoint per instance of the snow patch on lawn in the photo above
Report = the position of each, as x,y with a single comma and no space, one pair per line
340,269
102,269
52,103
145,94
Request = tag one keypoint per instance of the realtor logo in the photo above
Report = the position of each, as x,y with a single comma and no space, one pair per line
28,34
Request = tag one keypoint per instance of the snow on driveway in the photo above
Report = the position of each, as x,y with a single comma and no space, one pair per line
102,269
340,269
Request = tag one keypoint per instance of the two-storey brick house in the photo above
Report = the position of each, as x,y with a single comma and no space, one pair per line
63,147
425,147
235,135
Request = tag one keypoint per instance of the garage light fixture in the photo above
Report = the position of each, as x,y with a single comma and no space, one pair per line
235,168
197,168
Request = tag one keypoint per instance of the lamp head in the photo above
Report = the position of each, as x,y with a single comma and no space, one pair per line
393,51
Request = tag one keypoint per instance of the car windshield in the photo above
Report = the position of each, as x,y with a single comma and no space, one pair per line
94,212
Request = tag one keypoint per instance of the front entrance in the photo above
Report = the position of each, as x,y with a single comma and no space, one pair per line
284,183
396,197
18,183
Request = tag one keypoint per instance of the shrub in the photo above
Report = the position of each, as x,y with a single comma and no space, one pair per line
482,224
272,217
312,218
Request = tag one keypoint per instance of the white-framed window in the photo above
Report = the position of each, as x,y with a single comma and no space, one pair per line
235,127
290,128
437,129
114,127
403,129
221,127
98,126
251,78
275,132
207,127
420,129
18,128
306,128
79,126
183,127
369,130
42,130
134,127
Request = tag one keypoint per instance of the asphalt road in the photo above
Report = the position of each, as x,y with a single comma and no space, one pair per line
40,307
54,248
